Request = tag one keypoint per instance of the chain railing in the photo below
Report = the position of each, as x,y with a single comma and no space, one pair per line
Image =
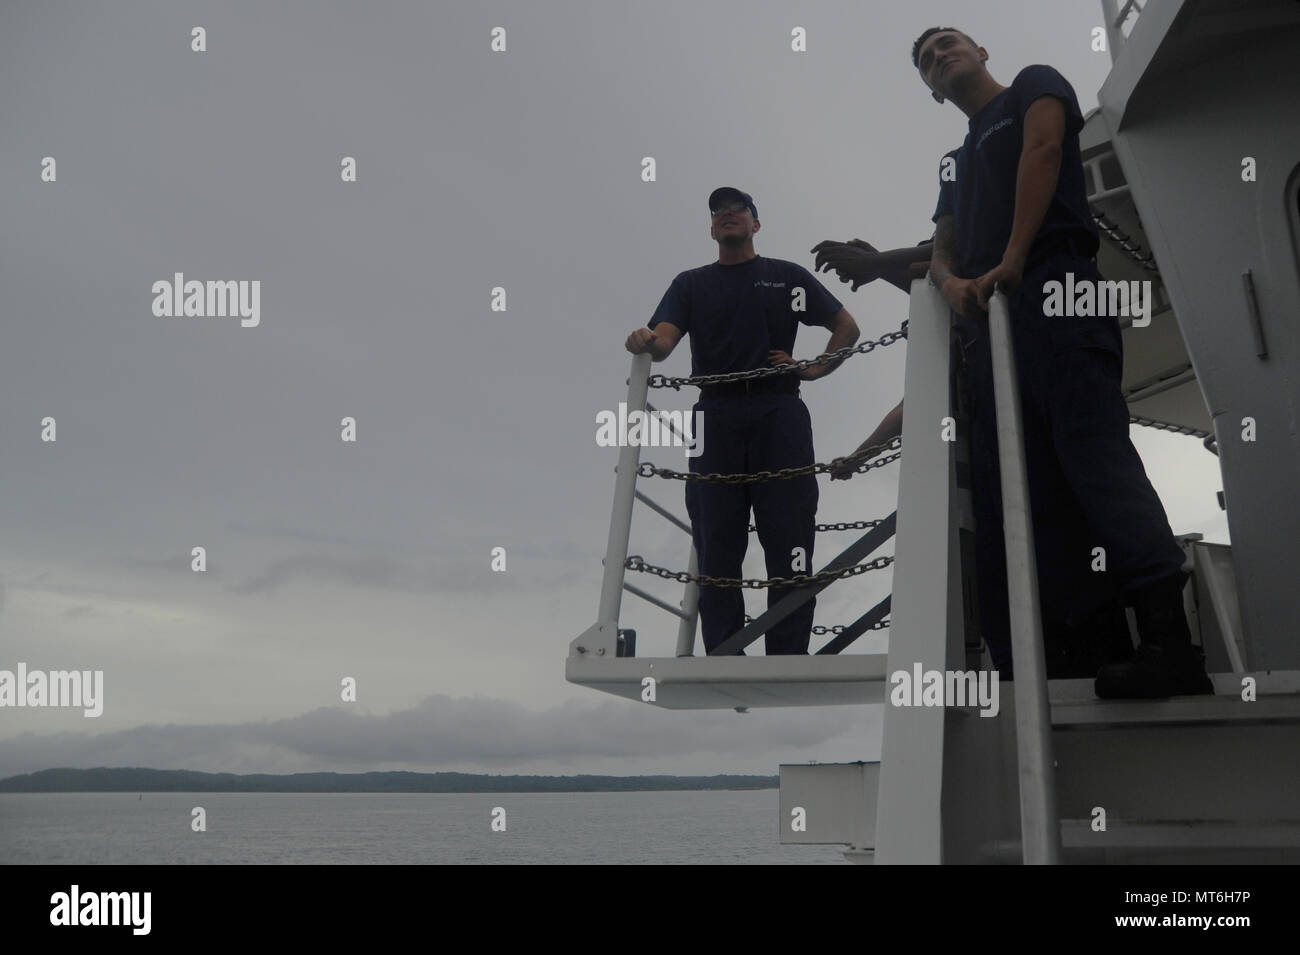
602,637
782,474
1166,426
835,357
837,526
835,629
1125,242
638,563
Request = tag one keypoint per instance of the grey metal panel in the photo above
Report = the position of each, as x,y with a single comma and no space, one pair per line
1194,92
1220,615
838,802
1239,773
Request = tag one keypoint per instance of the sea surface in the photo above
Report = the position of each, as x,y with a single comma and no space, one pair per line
699,827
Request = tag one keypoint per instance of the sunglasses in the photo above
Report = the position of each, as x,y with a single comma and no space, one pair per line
735,205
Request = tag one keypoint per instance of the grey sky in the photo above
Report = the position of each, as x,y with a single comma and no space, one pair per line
476,428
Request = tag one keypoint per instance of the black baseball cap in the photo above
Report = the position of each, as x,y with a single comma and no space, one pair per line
727,194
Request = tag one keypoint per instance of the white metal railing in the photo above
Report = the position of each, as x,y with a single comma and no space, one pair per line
605,639
1039,822
927,615
601,639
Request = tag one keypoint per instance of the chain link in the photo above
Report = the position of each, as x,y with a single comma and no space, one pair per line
1148,262
839,628
837,356
638,563
839,526
836,629
1121,238
647,469
1166,426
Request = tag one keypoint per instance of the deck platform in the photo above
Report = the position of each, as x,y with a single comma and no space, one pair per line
712,683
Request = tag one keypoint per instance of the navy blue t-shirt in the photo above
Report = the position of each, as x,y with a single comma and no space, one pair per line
736,314
983,194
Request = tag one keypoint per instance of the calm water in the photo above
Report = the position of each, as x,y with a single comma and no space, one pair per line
363,828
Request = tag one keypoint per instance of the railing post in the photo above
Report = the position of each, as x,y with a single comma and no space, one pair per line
1040,826
691,609
1110,16
601,639
926,608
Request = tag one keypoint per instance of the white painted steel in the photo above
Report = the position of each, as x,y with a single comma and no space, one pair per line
601,639
838,802
702,683
1040,825
925,616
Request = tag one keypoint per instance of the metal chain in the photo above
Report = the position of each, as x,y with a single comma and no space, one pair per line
839,526
647,469
638,563
664,381
1166,426
839,628
1148,262
1134,252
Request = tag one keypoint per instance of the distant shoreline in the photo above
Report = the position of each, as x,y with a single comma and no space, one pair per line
137,780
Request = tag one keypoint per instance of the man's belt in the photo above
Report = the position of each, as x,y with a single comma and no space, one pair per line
786,384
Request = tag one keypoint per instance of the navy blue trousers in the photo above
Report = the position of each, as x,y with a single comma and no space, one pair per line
1087,485
747,434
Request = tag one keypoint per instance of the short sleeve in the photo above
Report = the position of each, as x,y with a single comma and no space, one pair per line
1035,82
947,205
675,307
820,305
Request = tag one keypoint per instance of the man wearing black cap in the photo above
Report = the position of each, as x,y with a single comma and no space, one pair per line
742,313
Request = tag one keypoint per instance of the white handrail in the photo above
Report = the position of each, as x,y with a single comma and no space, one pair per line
1040,826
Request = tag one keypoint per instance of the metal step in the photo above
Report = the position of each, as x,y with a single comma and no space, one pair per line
1189,779
1075,706
1178,842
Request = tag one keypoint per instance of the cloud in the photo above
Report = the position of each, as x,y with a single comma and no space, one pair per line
369,571
448,575
438,733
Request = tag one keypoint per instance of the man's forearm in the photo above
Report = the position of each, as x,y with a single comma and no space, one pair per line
890,427
899,258
844,335
898,272
659,349
1035,184
941,269
944,255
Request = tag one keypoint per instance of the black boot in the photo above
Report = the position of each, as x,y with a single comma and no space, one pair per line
1166,663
